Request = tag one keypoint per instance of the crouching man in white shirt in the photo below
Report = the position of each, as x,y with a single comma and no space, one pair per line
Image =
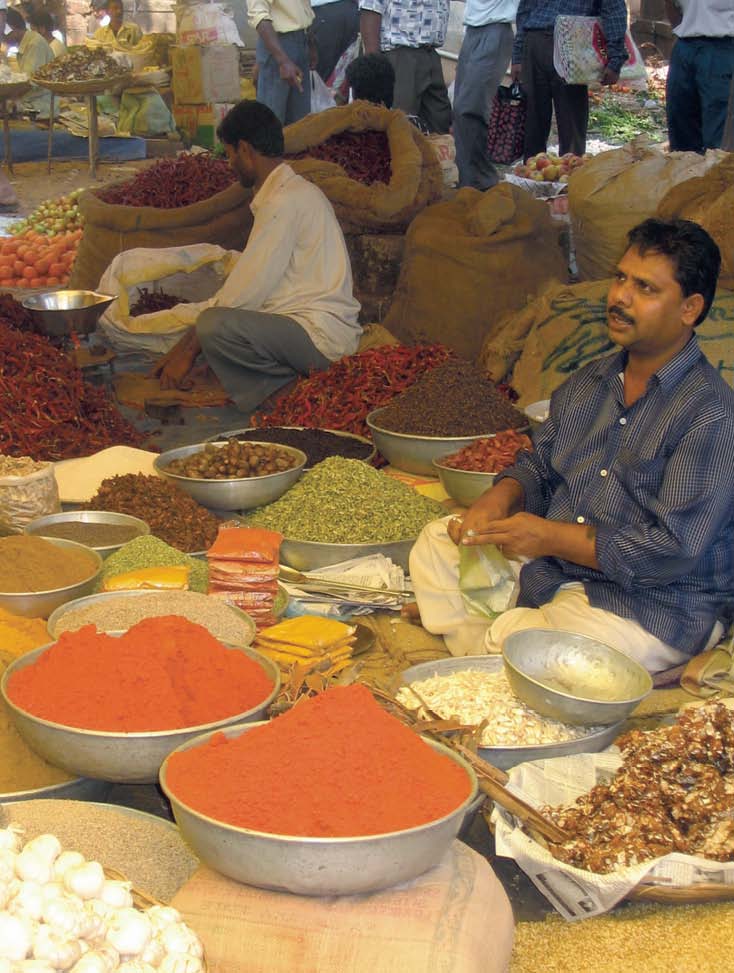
287,306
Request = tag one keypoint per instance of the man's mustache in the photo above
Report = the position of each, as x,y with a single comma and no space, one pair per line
618,312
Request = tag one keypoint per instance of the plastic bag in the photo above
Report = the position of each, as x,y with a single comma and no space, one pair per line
321,96
580,52
487,582
144,112
26,497
506,134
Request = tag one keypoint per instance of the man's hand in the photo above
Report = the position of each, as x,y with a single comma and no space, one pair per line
522,535
291,73
175,366
609,76
515,73
496,504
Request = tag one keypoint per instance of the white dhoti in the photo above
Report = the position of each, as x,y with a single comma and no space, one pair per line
434,570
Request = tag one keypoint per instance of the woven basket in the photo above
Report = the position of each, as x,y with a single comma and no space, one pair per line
14,89
95,86
682,895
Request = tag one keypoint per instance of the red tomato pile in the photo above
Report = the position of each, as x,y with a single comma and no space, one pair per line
33,259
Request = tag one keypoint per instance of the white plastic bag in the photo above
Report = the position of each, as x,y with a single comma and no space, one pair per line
321,96
206,23
580,52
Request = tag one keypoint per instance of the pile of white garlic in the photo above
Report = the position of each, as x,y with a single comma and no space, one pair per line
59,912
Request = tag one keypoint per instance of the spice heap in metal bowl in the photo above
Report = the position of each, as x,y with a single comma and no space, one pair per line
82,64
317,444
490,455
455,399
235,460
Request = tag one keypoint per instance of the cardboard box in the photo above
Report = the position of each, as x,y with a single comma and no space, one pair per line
200,122
205,75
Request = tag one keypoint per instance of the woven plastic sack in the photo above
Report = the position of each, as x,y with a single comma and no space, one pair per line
24,498
580,52
506,133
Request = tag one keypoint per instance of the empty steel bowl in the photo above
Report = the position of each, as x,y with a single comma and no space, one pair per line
240,493
317,866
39,525
116,756
57,313
40,604
463,486
573,678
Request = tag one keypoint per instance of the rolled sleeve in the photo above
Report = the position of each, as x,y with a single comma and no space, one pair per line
375,6
257,11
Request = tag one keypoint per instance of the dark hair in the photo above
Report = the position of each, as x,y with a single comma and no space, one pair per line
372,77
256,124
14,20
42,19
694,255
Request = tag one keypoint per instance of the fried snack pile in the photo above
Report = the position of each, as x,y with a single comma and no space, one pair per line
673,792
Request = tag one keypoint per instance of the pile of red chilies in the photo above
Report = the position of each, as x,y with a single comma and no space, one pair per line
364,156
343,395
47,410
170,183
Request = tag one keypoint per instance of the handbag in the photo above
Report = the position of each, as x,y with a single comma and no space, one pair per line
506,134
580,52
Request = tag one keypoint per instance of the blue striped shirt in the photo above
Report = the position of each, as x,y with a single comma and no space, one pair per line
656,480
541,15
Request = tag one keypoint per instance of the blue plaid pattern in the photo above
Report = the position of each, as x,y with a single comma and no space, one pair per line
410,23
655,479
541,15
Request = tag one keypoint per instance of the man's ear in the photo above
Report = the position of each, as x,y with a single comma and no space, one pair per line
691,309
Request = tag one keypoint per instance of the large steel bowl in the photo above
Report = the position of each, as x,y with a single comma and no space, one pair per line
243,434
317,866
76,789
506,757
241,493
312,555
104,597
122,758
463,486
573,678
58,313
40,604
39,525
415,454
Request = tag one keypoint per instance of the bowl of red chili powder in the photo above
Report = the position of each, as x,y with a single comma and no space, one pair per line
334,797
113,707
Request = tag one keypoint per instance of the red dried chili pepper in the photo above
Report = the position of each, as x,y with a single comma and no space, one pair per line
364,156
170,183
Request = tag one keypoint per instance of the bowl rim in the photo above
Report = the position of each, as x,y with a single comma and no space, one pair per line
29,305
453,469
271,669
77,516
295,540
370,420
160,468
60,542
240,728
606,703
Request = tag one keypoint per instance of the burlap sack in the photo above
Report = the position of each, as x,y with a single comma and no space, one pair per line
618,189
709,200
416,177
455,917
224,219
471,260
564,329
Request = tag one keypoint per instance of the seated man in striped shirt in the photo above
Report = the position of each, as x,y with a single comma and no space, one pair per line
625,509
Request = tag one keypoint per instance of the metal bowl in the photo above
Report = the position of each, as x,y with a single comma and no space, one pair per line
463,486
415,454
77,789
506,757
573,678
40,604
241,493
57,313
235,433
100,599
317,866
39,525
123,758
312,555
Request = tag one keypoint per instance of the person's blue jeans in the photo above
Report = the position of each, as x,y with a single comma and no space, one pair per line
288,103
699,78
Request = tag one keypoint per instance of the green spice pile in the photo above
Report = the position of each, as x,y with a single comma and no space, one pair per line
345,501
455,399
152,552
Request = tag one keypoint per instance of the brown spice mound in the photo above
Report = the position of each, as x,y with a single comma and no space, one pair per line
171,514
32,564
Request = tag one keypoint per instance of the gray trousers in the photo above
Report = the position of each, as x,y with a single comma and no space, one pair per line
288,103
483,59
419,86
253,354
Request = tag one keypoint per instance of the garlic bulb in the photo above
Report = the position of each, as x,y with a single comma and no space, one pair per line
96,961
33,966
60,951
31,867
28,901
86,881
162,916
94,928
8,890
15,937
65,861
117,894
7,865
153,953
46,846
6,965
135,966
65,916
181,963
178,938
129,931
10,839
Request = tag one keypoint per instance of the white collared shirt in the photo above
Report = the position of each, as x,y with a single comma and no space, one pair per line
706,18
478,13
296,263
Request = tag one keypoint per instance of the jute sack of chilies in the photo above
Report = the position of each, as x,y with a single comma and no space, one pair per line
416,178
224,219
618,189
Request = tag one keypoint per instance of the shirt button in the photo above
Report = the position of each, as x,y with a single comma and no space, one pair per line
581,520
603,472
623,421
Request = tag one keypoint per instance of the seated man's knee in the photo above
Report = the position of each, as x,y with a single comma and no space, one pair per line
206,326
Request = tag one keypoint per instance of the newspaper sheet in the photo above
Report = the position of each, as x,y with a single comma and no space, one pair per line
573,892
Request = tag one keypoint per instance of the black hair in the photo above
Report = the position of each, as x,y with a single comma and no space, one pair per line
42,19
372,77
14,20
256,124
694,255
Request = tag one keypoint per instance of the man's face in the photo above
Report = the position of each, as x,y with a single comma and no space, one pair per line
115,13
646,310
239,161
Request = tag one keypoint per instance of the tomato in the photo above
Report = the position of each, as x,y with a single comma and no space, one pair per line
6,281
18,268
29,272
42,266
38,281
52,281
56,270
